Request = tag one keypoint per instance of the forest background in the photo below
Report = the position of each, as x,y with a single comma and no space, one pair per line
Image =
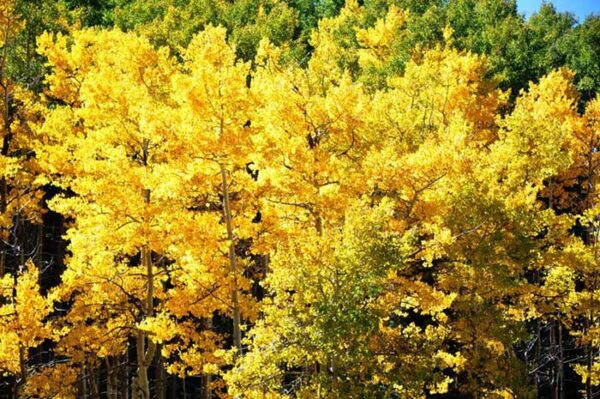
298,199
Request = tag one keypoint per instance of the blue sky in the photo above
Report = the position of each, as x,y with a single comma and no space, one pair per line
581,8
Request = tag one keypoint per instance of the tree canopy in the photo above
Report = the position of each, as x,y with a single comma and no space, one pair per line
298,199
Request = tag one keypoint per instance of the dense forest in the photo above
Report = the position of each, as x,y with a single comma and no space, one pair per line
298,199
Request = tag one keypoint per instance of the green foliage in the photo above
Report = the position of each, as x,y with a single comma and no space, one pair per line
23,64
583,56
172,23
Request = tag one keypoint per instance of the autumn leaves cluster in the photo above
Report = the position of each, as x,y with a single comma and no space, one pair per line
340,229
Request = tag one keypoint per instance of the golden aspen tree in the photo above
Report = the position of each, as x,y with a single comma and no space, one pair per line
22,322
315,171
435,124
215,118
100,138
168,146
304,149
534,158
568,295
532,146
588,300
216,111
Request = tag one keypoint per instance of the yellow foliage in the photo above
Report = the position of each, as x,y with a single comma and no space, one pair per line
23,318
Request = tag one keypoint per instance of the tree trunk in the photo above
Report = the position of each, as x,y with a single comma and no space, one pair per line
39,250
237,333
94,382
111,378
561,364
124,377
588,380
206,392
160,376
554,370
22,371
145,355
173,391
3,208
83,385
